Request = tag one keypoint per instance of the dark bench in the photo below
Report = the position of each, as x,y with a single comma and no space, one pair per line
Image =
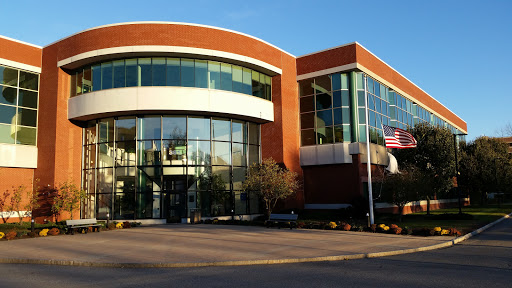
278,219
82,225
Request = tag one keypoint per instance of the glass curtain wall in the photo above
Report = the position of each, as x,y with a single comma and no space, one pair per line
325,110
170,72
18,106
163,166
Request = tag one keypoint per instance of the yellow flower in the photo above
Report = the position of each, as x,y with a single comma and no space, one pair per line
381,226
2,234
44,232
119,225
215,221
445,232
385,228
437,229
332,225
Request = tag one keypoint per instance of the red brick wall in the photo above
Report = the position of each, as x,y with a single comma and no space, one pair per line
60,140
15,51
168,34
327,59
10,179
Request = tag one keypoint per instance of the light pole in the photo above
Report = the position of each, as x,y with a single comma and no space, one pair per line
457,170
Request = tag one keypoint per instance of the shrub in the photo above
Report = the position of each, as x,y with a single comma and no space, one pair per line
346,227
54,231
300,224
454,232
11,235
332,225
445,232
44,232
2,235
111,226
393,226
406,231
32,234
127,225
373,228
119,225
397,230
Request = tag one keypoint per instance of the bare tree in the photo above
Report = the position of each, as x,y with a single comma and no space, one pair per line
505,131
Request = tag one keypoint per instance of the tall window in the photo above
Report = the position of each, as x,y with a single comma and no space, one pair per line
18,106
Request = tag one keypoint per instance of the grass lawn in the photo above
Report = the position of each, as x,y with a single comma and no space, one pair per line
480,217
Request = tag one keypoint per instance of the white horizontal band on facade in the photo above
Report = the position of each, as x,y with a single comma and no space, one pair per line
18,156
134,51
383,205
176,100
14,214
341,153
18,65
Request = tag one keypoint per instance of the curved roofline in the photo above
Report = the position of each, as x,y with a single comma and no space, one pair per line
170,23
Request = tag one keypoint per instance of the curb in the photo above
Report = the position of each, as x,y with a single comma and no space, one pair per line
254,262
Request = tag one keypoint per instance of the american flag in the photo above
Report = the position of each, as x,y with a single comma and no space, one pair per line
398,138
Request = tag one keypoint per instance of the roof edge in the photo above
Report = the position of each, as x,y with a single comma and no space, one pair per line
171,23
21,42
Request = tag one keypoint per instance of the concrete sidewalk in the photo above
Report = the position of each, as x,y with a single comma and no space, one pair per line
205,245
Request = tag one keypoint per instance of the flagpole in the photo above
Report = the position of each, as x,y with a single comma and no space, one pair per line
368,162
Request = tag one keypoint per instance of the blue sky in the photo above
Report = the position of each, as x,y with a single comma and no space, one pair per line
457,51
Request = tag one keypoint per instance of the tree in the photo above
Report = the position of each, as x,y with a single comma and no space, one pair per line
4,206
505,131
32,199
271,182
485,166
16,201
402,188
434,156
68,199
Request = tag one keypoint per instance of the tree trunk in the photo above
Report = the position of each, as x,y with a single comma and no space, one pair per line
400,212
428,205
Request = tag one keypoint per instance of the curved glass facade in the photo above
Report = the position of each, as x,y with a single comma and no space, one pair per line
164,166
170,72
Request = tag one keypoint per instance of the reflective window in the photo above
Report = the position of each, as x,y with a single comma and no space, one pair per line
202,165
174,127
226,77
106,75
214,74
18,105
187,73
8,76
173,72
158,71
201,73
221,130
119,74
198,128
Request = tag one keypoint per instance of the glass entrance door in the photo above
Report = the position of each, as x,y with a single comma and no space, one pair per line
174,193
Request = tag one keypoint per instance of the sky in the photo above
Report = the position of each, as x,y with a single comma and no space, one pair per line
460,52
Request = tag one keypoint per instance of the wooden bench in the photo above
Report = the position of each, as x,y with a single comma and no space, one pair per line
82,225
277,219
